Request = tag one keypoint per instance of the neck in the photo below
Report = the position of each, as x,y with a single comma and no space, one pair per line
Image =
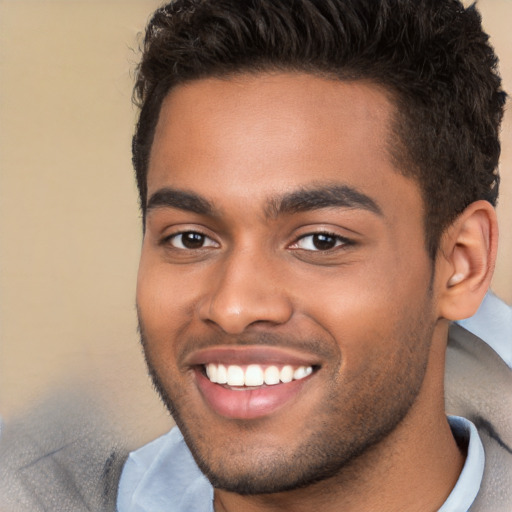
413,469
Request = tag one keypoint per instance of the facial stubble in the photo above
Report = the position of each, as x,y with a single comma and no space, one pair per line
328,448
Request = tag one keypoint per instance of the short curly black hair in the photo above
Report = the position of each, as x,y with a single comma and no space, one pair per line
431,55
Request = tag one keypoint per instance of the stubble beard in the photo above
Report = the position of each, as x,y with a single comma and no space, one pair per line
324,453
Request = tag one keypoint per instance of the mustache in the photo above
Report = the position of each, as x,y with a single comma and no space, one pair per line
323,347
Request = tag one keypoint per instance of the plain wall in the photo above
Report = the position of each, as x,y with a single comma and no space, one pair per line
69,223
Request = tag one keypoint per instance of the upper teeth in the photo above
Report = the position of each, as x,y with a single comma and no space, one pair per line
254,374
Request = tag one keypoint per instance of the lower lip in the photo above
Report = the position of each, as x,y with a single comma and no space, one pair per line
247,404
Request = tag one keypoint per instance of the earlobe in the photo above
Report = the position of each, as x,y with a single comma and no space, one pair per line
466,261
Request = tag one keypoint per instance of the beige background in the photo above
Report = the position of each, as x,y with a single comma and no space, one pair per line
69,223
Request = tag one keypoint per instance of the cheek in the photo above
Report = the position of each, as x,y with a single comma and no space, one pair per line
363,308
161,295
160,320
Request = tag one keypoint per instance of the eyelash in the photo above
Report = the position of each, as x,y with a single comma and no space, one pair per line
169,239
340,241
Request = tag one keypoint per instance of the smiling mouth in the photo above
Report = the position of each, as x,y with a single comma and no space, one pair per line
249,382
250,391
255,375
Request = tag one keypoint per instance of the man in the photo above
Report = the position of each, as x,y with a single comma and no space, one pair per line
317,181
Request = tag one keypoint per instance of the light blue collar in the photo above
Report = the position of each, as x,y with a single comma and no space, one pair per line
470,479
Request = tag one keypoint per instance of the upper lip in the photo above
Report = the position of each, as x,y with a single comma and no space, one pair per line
245,355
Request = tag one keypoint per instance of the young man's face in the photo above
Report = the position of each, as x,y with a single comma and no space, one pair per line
281,240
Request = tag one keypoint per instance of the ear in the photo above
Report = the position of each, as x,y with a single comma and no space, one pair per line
466,259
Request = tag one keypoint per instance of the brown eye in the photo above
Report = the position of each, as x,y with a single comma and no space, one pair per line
324,242
320,242
191,240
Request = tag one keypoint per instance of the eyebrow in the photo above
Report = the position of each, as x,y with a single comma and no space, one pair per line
328,196
302,200
180,199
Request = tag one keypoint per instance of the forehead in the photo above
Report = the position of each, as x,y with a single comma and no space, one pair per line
254,136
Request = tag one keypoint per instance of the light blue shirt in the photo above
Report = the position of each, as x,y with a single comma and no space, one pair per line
493,324
163,476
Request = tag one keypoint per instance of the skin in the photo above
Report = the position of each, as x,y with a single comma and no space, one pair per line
369,311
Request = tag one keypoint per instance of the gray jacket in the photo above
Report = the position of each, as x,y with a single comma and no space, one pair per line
479,388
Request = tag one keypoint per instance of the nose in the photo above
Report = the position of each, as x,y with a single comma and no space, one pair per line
246,292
